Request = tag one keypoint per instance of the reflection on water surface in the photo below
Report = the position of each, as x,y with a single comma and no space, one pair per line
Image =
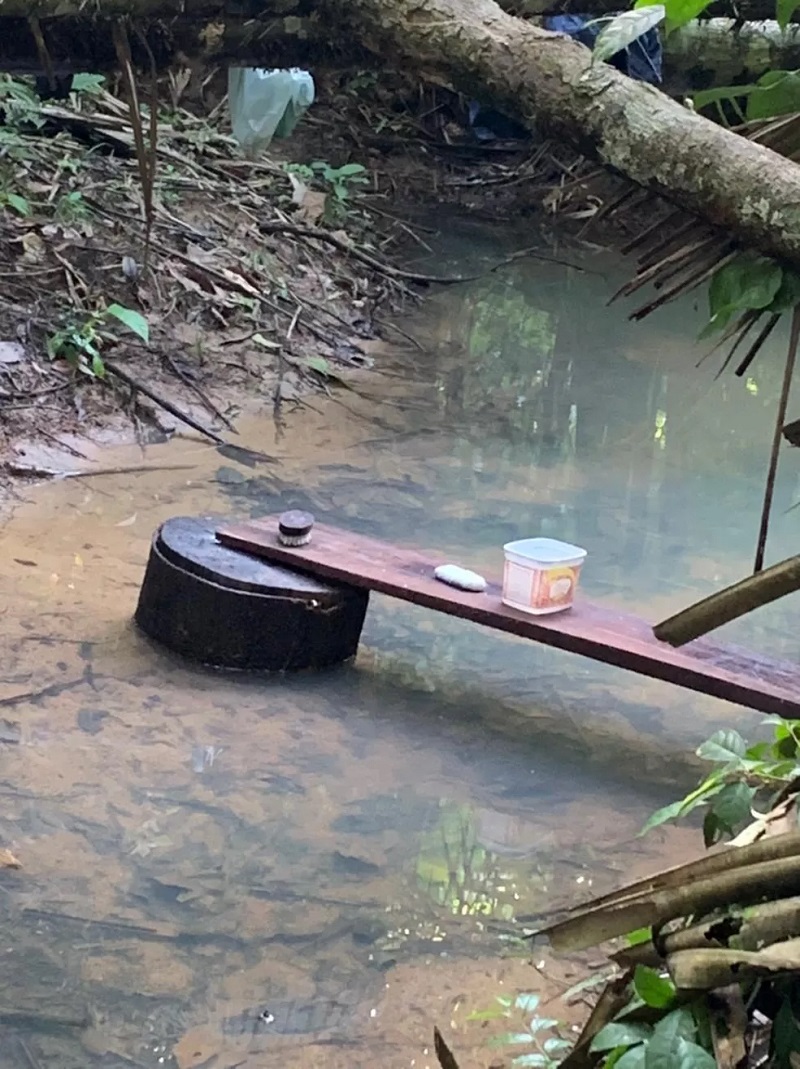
310,871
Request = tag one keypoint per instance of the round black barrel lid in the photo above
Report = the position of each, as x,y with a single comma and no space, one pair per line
190,543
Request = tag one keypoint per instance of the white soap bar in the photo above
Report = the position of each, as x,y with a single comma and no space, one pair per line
460,577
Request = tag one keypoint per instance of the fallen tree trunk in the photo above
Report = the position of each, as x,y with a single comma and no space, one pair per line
203,10
547,81
698,55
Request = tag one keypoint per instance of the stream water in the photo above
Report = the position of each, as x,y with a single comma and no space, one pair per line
313,871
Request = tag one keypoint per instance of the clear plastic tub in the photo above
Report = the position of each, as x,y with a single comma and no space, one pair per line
541,575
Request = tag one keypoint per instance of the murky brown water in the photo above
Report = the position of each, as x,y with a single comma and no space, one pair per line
312,870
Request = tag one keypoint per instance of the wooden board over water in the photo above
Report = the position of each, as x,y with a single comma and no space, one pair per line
591,630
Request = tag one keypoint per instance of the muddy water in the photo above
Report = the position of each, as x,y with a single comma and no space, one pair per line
312,871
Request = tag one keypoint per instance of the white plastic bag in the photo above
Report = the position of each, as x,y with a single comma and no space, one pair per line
266,104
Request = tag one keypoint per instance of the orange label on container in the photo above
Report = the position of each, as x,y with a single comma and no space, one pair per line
555,587
539,588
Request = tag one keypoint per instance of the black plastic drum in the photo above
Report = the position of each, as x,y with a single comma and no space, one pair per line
228,609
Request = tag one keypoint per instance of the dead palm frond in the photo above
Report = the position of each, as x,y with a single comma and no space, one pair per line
677,253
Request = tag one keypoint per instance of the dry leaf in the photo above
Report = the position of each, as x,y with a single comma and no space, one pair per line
312,207
199,254
8,861
33,248
11,352
196,1047
299,188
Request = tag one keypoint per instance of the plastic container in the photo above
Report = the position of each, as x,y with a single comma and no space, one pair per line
541,575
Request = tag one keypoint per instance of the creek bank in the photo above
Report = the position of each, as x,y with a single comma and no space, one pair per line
241,307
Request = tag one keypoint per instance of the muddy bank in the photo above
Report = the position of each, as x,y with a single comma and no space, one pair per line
232,304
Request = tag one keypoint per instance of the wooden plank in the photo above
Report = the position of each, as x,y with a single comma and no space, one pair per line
588,629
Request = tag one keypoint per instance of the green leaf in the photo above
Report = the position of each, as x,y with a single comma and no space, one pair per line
726,746
786,749
713,829
776,93
487,1015
680,12
679,1022
652,989
555,1044
531,1059
542,1024
527,1002
350,169
785,1034
319,364
98,367
639,936
624,29
620,1034
661,816
88,83
748,282
132,319
633,1058
788,295
732,806
784,9
722,93
18,203
677,1053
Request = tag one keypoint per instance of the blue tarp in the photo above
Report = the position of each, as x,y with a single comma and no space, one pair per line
640,60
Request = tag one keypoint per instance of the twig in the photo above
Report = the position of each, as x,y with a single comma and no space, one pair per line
144,158
35,472
163,402
397,272
50,690
769,487
187,381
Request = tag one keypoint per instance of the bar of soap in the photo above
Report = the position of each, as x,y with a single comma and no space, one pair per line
462,578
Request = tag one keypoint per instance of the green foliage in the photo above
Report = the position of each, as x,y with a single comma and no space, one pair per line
743,777
676,12
673,1042
749,283
775,93
88,84
539,1033
362,82
784,9
71,208
652,988
622,30
132,319
19,103
16,202
339,183
81,343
